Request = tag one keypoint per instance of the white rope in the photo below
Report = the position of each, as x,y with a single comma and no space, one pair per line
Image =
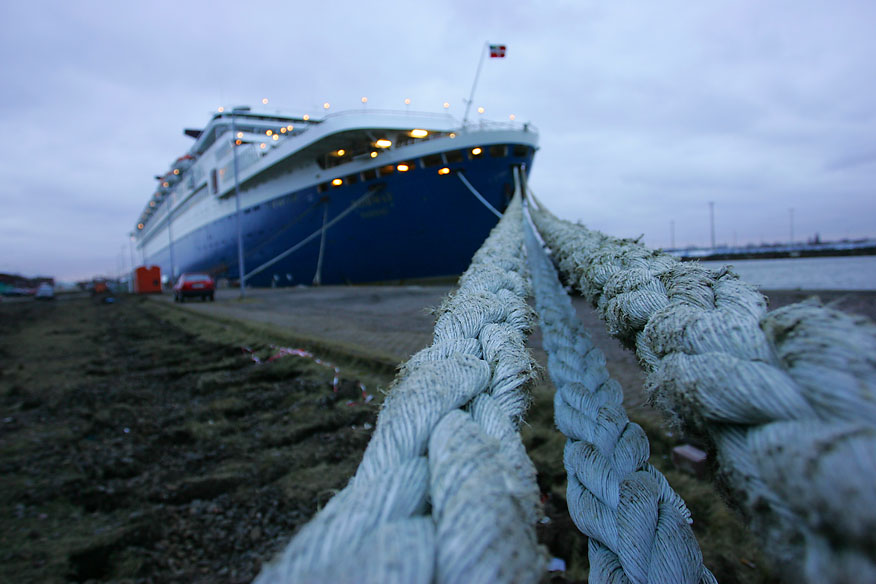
445,491
313,235
478,195
788,398
636,523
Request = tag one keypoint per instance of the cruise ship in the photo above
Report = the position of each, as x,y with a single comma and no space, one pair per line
353,197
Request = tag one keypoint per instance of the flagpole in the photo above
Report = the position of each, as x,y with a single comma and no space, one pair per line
475,84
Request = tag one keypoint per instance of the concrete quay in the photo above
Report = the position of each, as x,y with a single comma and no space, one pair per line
385,323
388,324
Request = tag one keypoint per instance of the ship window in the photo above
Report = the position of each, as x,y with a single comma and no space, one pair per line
369,174
453,156
520,150
321,188
432,160
352,179
388,169
498,151
214,181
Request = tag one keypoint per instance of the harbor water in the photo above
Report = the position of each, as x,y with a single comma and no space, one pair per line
824,273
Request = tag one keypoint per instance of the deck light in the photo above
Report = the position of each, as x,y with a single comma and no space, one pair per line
165,184
452,135
512,117
221,109
383,143
341,152
480,110
326,105
403,167
139,226
175,171
419,133
374,155
262,145
305,117
446,105
364,100
337,182
238,142
476,151
407,101
151,203
240,134
276,137
265,100
283,130
444,170
289,127
268,132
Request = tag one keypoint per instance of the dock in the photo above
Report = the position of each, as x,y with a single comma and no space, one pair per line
384,324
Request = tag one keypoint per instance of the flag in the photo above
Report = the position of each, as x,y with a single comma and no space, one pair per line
497,51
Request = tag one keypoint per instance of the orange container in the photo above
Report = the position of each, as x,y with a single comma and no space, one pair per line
147,280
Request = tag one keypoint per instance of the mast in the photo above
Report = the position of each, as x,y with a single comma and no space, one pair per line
475,84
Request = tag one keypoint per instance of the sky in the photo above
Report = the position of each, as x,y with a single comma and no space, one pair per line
647,111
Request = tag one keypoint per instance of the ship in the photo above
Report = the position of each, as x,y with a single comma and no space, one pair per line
362,196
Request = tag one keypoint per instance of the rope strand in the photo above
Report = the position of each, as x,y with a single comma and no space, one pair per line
445,469
787,398
637,524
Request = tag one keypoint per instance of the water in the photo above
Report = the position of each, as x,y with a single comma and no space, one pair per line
833,273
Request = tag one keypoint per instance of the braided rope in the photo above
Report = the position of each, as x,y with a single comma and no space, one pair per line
788,398
445,491
637,524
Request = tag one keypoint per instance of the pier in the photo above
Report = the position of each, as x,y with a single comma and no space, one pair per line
784,250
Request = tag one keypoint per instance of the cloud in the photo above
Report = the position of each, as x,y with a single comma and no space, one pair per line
646,111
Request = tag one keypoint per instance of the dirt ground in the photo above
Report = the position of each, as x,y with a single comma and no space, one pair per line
143,443
132,449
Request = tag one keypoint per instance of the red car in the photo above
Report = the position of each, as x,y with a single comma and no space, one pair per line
189,285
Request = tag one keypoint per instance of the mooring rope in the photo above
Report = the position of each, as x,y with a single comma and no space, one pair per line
636,523
787,398
319,232
479,196
445,491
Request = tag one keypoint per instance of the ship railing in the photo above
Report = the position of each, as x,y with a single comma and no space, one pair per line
388,112
494,125
480,124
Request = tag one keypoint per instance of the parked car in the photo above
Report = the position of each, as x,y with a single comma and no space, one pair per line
189,285
44,291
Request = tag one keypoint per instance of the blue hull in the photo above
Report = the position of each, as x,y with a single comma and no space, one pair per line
414,225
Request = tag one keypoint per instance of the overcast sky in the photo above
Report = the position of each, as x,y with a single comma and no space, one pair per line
646,110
